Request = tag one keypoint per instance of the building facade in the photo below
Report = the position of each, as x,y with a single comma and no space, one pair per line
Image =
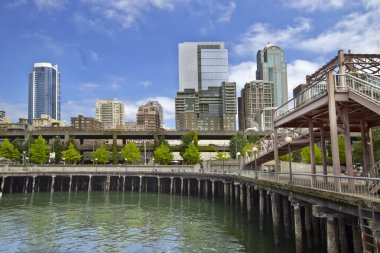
86,123
256,106
212,109
44,91
160,110
110,112
272,67
202,65
148,117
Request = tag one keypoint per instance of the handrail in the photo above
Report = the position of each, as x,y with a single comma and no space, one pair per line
374,171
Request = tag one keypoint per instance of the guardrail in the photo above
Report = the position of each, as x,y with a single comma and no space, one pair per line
366,187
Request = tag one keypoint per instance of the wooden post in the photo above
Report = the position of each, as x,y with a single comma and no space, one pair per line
3,182
342,235
276,213
71,181
213,188
275,150
363,129
324,152
33,184
89,183
312,150
332,238
286,211
298,227
181,186
171,185
262,207
347,144
140,187
188,187
308,226
249,198
52,183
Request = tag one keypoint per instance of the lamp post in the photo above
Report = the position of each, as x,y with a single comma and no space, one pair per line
63,159
238,158
289,140
254,149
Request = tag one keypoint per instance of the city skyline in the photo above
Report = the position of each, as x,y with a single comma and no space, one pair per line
117,49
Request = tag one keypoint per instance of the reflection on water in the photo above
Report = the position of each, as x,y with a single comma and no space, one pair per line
129,222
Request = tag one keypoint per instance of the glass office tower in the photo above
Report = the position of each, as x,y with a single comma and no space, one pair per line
202,65
44,91
272,67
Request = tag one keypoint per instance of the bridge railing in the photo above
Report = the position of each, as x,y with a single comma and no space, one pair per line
358,186
310,93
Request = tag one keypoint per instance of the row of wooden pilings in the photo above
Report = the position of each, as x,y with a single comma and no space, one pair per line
297,219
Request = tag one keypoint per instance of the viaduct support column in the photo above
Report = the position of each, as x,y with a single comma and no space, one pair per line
89,183
52,183
33,184
241,188
333,128
108,182
70,182
171,185
356,237
308,226
3,182
332,238
262,207
286,211
342,235
181,186
298,227
213,188
276,213
158,184
249,198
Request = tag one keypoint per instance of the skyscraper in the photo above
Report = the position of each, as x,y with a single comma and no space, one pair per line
272,67
148,117
202,65
44,91
160,110
110,112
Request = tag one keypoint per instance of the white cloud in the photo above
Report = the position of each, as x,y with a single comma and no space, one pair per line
145,83
50,4
242,73
14,111
94,56
88,86
125,12
313,5
73,108
259,34
225,11
354,31
48,42
297,71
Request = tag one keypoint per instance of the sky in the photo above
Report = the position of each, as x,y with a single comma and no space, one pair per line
128,49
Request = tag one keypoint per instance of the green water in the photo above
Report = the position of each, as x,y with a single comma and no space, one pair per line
129,222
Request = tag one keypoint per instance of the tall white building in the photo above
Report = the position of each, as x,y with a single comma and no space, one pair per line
202,65
44,91
110,112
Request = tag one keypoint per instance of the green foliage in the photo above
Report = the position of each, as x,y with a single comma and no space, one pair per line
9,151
236,144
342,151
58,147
71,154
207,149
220,156
115,154
162,155
191,155
71,140
39,151
158,140
305,154
28,143
101,155
17,144
131,153
253,138
246,149
186,140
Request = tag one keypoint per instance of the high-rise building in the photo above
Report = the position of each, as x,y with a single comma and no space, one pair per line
160,110
44,91
86,123
202,65
213,109
110,112
256,105
272,67
148,117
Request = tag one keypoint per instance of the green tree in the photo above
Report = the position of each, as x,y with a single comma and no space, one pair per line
9,151
191,155
131,153
305,154
253,138
101,155
58,147
71,155
39,151
162,155
186,139
236,144
28,143
220,156
17,144
342,151
115,154
247,149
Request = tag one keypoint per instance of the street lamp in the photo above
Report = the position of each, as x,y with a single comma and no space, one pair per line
238,158
63,159
289,140
254,149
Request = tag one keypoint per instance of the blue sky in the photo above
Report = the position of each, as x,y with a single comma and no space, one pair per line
128,49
